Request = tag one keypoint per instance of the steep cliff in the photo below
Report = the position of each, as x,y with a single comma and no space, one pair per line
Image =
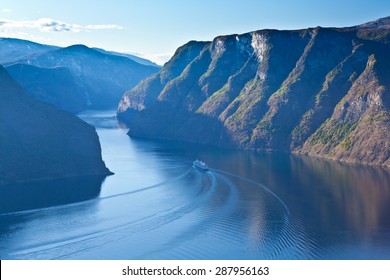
318,91
39,142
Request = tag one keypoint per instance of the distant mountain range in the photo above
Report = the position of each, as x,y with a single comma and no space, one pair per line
41,142
12,50
137,59
319,91
74,78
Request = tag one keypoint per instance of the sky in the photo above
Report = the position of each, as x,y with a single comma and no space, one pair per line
154,29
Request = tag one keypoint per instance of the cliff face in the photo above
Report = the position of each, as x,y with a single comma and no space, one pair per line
38,141
358,129
319,91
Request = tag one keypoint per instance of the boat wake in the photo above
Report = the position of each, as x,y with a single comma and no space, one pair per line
286,209
196,215
94,200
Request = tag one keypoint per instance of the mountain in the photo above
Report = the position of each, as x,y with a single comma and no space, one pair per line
56,86
319,91
41,142
12,50
97,78
104,77
132,57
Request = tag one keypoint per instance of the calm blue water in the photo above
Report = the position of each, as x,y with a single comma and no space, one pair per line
156,206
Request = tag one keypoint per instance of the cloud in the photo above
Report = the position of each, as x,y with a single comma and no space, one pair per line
53,25
48,24
103,27
6,10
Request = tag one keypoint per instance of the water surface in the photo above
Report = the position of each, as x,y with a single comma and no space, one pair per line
156,206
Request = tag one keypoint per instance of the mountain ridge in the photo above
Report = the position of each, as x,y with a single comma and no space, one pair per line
10,48
137,59
97,79
272,90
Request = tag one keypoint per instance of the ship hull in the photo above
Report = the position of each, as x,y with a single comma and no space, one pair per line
201,166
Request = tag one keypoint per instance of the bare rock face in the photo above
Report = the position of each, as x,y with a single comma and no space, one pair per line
40,142
318,91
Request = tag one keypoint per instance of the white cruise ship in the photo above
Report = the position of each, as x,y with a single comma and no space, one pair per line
200,165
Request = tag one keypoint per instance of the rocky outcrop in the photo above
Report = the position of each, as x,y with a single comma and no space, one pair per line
40,142
318,91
